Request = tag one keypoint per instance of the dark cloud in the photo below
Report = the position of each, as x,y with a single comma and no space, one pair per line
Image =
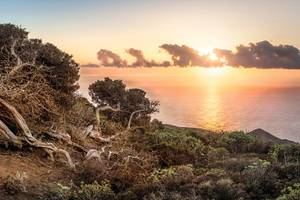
184,56
108,58
141,61
139,56
262,55
92,65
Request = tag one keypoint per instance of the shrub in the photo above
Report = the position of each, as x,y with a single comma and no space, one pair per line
285,153
178,147
89,172
236,142
290,193
94,191
290,172
221,189
215,154
261,180
162,175
156,125
15,183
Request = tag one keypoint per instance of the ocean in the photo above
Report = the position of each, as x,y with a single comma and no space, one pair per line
220,99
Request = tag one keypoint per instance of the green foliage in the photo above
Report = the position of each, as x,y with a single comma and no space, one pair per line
236,142
37,78
221,189
290,193
114,93
285,153
82,112
261,180
94,191
59,69
107,92
162,175
290,172
219,153
178,140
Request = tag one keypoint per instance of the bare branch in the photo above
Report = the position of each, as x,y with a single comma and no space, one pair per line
131,117
27,136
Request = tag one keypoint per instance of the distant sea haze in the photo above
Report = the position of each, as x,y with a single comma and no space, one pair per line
216,98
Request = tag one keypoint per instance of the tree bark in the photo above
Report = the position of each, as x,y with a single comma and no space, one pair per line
26,135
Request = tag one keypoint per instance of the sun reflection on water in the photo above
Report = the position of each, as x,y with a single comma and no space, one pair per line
211,107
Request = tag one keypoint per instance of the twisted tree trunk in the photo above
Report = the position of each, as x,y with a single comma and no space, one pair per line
24,135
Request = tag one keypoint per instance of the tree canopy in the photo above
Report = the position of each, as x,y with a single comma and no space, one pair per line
40,78
114,93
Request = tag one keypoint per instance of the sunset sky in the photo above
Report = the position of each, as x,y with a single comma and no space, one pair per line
82,28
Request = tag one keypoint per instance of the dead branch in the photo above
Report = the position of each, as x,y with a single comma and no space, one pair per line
20,64
26,136
103,108
131,117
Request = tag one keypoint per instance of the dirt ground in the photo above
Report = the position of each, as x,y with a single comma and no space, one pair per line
39,171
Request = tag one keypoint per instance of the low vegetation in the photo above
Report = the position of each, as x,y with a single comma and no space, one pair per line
111,149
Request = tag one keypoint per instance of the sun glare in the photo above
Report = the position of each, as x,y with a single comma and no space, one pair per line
214,71
209,52
212,56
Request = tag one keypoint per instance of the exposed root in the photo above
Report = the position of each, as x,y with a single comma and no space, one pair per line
25,136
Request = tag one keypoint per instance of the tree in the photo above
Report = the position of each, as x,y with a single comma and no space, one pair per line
130,104
39,76
37,81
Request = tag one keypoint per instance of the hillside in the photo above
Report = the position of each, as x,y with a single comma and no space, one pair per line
268,137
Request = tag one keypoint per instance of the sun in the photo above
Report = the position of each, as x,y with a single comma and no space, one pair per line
209,52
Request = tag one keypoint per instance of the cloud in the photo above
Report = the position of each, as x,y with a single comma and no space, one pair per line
108,58
262,55
184,56
92,65
142,62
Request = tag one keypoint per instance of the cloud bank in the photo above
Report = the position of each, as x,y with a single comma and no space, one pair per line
142,62
110,59
262,55
184,56
259,55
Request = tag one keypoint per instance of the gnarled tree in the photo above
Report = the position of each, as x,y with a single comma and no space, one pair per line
37,83
120,104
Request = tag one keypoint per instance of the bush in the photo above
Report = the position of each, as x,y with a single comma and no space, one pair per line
260,180
285,153
94,191
89,172
290,193
215,154
162,175
221,189
16,183
290,172
236,142
178,147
